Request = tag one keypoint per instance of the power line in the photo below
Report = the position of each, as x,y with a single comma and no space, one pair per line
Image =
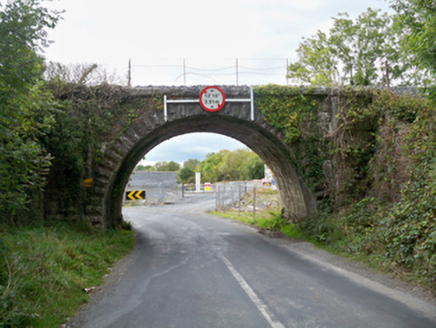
211,73
211,69
261,69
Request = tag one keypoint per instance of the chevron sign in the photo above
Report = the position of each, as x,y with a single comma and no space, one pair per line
135,194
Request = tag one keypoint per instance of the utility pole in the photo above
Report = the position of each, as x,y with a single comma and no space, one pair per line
237,72
184,72
129,74
387,76
287,72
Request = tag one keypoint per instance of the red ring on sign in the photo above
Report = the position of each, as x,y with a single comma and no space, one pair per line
205,106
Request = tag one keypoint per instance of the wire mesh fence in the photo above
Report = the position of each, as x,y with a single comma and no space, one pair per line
240,197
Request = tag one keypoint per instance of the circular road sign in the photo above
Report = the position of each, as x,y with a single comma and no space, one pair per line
212,99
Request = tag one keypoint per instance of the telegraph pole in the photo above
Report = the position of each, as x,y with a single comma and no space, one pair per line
129,74
184,72
237,72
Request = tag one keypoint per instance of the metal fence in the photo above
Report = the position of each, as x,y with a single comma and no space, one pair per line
229,195
192,188
240,196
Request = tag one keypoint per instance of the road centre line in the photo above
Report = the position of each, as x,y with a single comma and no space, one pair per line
273,322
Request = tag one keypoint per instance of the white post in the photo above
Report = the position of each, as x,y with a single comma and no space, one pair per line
197,182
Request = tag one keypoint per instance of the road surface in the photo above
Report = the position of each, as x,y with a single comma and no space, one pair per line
190,269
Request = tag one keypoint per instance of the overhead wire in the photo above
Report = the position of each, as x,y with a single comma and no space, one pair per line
234,70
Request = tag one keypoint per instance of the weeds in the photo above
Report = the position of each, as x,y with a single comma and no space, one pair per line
273,221
43,270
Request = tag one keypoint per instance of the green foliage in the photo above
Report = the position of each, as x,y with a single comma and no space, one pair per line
167,166
276,222
210,168
284,108
315,65
43,270
273,221
416,21
238,165
353,53
385,173
310,152
191,163
144,168
67,143
367,143
251,166
372,50
293,110
186,175
90,122
411,224
23,31
26,108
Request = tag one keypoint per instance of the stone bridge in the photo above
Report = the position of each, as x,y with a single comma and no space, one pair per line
240,118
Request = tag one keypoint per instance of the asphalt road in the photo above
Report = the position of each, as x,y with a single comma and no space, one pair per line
191,269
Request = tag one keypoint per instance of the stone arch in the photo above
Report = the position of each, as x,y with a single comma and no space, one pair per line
151,130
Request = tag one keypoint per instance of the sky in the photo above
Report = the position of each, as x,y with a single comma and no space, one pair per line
192,145
192,42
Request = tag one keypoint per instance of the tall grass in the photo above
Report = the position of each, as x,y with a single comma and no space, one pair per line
44,268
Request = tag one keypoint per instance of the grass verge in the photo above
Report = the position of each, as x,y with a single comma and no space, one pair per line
273,221
44,268
353,246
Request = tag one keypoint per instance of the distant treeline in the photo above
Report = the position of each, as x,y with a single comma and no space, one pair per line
225,165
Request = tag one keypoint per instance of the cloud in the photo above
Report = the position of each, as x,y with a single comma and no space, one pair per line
110,33
208,34
299,4
192,145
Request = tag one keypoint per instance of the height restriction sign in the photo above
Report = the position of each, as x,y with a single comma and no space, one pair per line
212,99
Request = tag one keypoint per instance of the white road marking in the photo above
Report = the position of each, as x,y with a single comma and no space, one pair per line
273,322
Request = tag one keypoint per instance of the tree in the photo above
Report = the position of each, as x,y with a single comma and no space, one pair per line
416,21
144,168
88,74
191,163
210,168
354,52
168,167
253,167
186,175
173,166
241,164
161,166
26,108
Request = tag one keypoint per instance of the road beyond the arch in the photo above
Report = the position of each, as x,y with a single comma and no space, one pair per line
190,269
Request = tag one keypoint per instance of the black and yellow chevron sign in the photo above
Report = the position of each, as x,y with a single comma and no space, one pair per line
135,194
